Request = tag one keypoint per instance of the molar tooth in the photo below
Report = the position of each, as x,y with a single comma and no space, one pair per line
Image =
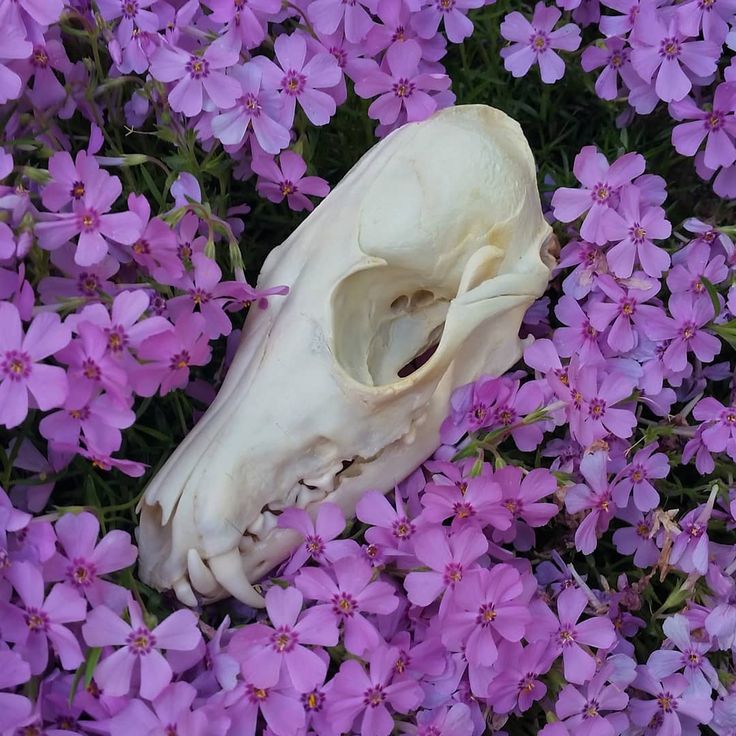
309,495
410,436
326,481
288,500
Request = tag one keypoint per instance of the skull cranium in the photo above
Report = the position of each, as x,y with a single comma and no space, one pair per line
434,240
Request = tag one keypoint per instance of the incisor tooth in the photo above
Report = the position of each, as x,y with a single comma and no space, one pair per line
202,578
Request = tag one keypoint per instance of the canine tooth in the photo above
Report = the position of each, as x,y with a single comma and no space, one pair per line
185,593
200,575
228,571
256,526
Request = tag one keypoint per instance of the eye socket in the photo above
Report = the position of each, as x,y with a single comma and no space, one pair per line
385,328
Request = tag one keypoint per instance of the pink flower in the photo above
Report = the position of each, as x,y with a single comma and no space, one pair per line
663,49
457,24
84,560
535,42
577,336
601,182
715,125
347,600
287,180
170,355
139,648
259,108
92,220
155,247
199,81
37,620
21,370
615,58
646,465
70,179
301,80
327,15
246,20
266,653
391,529
400,85
720,432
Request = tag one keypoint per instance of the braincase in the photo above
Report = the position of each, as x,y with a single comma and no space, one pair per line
459,181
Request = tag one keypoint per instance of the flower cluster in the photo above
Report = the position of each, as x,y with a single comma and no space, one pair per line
648,52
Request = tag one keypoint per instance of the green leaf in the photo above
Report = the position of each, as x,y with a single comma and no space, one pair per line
713,294
93,657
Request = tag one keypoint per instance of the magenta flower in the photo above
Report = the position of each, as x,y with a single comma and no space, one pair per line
684,331
155,247
84,560
690,550
400,85
320,543
257,108
327,15
615,58
391,528
639,226
104,460
454,14
200,83
668,705
689,655
267,653
601,183
472,407
287,180
578,663
448,559
597,710
344,602
139,654
15,709
596,496
716,126
92,221
70,179
246,20
663,50
135,20
646,466
170,355
300,80
687,275
21,371
37,620
535,42
455,720
205,293
514,403
489,606
720,432
369,695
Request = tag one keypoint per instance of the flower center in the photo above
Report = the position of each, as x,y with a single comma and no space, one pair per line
287,187
628,307
315,545
642,530
453,573
714,121
344,605
293,82
374,696
638,233
463,510
539,41
566,635
198,68
130,8
670,48
88,284
403,88
91,370
116,339
88,221
256,694
667,702
601,193
284,639
180,360
200,296
81,573
141,641
16,365
251,104
77,190
591,709
36,619
597,408
141,247
40,58
402,528
313,701
486,614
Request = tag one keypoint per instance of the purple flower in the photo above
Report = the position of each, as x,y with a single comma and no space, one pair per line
70,179
327,16
258,108
713,17
594,712
684,331
345,601
689,655
489,606
454,721
471,408
690,549
15,46
139,653
639,226
357,693
320,543
615,58
84,560
535,42
601,183
578,336
518,684
391,528
457,24
720,432
287,180
516,401
664,49
199,82
21,371
661,715
579,665
596,495
448,559
246,20
92,220
716,126
687,275
401,85
266,653
155,247
170,355
300,80
646,465
636,539
15,709
37,621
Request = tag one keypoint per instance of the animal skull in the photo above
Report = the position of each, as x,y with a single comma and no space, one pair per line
434,238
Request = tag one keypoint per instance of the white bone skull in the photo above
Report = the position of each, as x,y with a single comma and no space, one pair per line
435,237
